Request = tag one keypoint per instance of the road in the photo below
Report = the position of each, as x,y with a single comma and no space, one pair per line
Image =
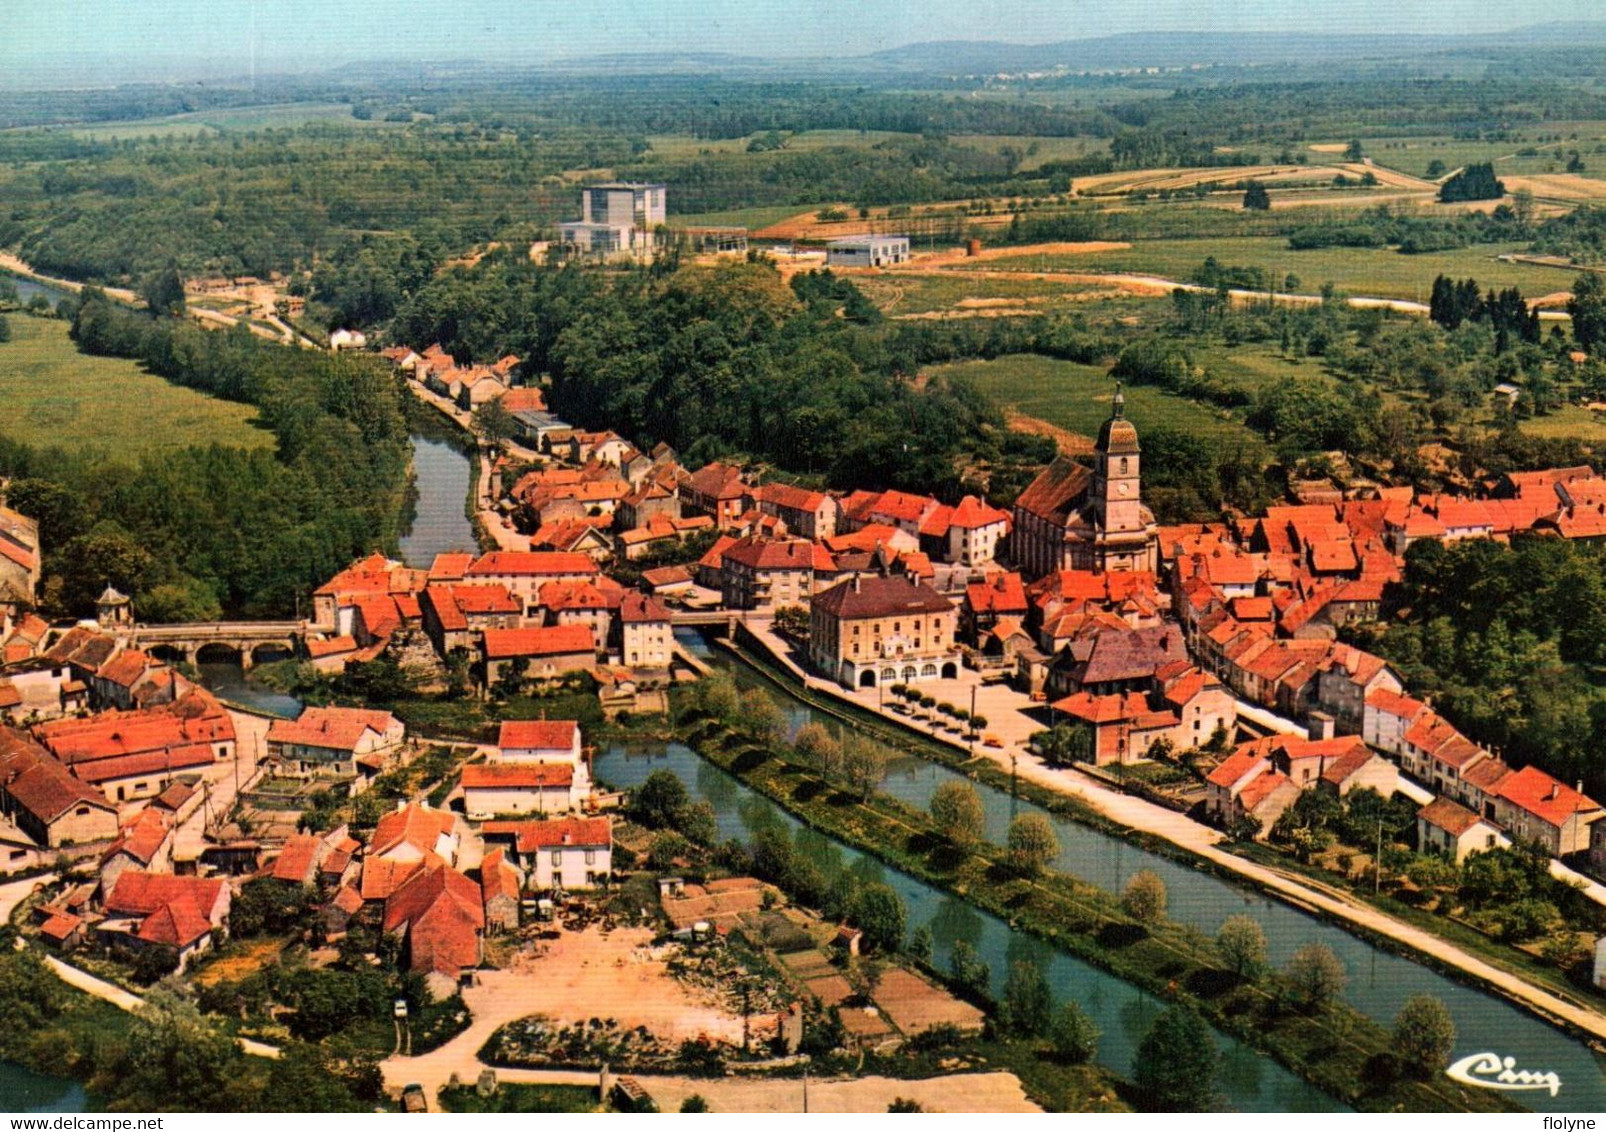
1160,285
1196,838
127,1000
16,266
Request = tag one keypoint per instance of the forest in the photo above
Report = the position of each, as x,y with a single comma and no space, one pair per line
720,361
209,531
1510,642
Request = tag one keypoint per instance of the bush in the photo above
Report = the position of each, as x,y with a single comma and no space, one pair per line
1073,1035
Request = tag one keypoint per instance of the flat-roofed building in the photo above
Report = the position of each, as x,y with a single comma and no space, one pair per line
867,251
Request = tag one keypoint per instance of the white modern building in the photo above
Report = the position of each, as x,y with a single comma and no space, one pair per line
867,251
616,218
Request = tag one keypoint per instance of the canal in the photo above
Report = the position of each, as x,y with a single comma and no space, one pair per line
1379,982
28,288
441,477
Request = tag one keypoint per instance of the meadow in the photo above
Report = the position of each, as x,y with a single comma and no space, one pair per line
52,395
1077,397
1357,271
242,119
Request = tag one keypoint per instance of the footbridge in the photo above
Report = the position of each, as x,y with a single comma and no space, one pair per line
208,640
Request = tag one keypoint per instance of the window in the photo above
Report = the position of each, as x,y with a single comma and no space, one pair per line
591,856
1123,465
557,858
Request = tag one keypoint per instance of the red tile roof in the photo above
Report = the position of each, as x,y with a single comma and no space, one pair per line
759,553
330,728
1002,594
1551,801
1260,788
877,596
441,911
639,608
550,640
517,776
1452,817
142,837
537,734
297,860
1234,767
534,563
973,513
138,893
418,826
531,836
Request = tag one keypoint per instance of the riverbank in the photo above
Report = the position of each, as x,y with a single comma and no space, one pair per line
1164,831
1336,1048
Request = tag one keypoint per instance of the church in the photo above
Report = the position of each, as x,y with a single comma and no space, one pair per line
1073,518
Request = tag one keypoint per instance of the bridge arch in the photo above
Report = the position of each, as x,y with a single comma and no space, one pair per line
222,652
172,654
268,652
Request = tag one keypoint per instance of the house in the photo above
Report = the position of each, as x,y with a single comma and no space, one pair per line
454,615
718,490
1451,830
341,744
136,754
766,574
524,572
1246,785
20,560
334,603
37,689
541,653
975,532
867,251
810,514
1124,725
562,853
45,801
1533,806
500,884
1071,517
986,602
412,833
1345,681
539,741
145,842
155,909
652,500
885,629
646,633
492,789
1339,764
130,679
298,862
1386,717
439,914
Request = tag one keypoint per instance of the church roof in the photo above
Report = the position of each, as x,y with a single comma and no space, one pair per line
1118,437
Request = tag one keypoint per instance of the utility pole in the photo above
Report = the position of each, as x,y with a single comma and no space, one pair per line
1377,865
973,719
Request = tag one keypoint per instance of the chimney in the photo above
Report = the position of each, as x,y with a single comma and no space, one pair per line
1555,792
855,583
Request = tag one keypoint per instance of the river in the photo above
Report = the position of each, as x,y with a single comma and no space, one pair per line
1379,982
440,523
27,289
22,1090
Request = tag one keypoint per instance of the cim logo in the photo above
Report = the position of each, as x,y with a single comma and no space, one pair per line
1491,1071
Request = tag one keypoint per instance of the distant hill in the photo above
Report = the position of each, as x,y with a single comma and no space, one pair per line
1183,49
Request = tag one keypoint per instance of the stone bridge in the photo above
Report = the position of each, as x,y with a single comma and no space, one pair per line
212,640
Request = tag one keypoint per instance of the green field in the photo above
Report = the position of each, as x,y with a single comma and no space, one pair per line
1357,271
1413,154
903,294
50,394
1077,397
242,119
754,218
1569,420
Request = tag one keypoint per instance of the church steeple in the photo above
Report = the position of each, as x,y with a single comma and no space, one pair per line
1118,404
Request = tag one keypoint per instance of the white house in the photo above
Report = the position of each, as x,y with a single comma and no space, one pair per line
564,853
539,741
490,789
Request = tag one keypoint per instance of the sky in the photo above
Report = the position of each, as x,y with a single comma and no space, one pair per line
105,40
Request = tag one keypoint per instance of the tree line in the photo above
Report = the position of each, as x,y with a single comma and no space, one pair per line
205,531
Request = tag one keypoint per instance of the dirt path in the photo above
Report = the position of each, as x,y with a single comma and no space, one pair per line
1070,443
126,1000
17,266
